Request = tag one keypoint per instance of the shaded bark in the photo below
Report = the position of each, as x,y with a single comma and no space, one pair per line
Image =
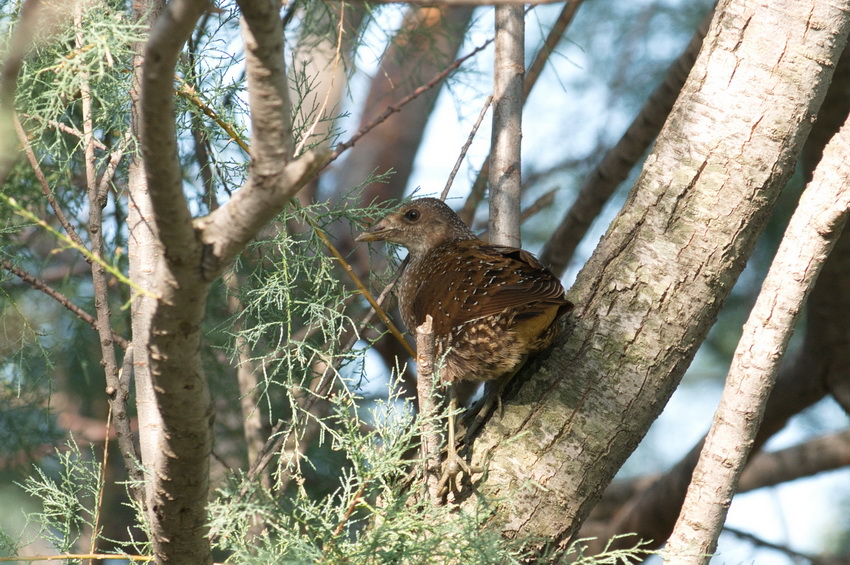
195,253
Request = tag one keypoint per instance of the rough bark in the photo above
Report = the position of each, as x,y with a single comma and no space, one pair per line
194,253
180,466
653,510
811,234
650,292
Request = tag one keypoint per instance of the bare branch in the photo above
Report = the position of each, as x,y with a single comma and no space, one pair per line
38,284
505,178
246,376
465,148
824,453
425,387
811,234
755,540
227,230
45,187
563,21
271,125
158,135
179,451
467,213
339,149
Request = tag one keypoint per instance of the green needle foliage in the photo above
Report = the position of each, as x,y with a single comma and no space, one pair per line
69,497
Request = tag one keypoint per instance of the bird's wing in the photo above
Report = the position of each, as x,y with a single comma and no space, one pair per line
477,280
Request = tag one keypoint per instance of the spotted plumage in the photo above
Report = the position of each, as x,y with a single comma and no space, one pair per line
491,305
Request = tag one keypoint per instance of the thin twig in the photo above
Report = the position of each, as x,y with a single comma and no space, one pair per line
65,129
367,319
98,194
111,166
361,287
45,187
467,213
355,501
757,541
544,201
465,148
63,300
187,92
329,89
390,110
552,39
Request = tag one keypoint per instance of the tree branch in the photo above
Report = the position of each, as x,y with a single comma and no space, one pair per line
811,234
505,175
179,486
652,289
467,213
824,453
268,96
63,300
45,187
18,46
425,387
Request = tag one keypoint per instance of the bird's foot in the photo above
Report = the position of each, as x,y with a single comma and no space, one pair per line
452,468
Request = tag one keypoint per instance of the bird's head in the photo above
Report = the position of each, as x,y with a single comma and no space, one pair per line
419,225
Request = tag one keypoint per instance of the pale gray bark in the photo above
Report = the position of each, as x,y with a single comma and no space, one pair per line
559,28
803,381
505,175
647,297
812,232
143,255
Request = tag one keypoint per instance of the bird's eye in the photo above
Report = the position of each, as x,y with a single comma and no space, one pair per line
412,215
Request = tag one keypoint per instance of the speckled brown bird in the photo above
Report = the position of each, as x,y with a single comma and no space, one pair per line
492,306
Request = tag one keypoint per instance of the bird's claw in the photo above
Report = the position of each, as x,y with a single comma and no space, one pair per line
453,467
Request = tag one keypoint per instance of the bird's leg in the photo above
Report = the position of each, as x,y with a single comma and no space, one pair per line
454,463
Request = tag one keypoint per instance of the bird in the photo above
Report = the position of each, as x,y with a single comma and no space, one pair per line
492,306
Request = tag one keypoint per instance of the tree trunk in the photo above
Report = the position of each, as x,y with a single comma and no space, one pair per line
649,294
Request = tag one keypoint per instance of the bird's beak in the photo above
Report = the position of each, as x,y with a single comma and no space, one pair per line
376,232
